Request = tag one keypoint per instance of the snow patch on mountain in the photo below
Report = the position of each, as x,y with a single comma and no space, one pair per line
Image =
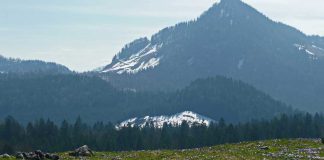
98,69
319,48
240,64
309,52
312,50
222,13
300,47
231,22
143,60
174,120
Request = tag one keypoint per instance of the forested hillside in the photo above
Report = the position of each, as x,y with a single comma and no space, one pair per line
58,97
19,66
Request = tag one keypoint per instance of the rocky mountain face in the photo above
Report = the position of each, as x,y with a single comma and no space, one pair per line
230,39
10,65
175,120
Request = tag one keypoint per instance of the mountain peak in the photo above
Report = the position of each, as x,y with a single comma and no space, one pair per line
230,1
228,7
233,12
228,4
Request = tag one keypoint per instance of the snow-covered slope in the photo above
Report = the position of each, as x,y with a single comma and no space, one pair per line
313,51
142,60
175,120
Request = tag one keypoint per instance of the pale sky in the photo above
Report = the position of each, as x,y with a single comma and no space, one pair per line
85,34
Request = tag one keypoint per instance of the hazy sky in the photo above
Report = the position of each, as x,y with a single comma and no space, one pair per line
85,34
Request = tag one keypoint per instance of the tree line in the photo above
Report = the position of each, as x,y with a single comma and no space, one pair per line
48,136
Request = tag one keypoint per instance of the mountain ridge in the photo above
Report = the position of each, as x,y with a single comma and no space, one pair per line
16,65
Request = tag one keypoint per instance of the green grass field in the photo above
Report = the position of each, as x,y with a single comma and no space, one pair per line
274,149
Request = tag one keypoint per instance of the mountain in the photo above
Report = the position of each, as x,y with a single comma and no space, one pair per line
10,65
174,120
66,96
231,39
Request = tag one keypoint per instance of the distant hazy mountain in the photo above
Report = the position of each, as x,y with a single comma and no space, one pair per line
66,96
10,65
174,120
230,39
